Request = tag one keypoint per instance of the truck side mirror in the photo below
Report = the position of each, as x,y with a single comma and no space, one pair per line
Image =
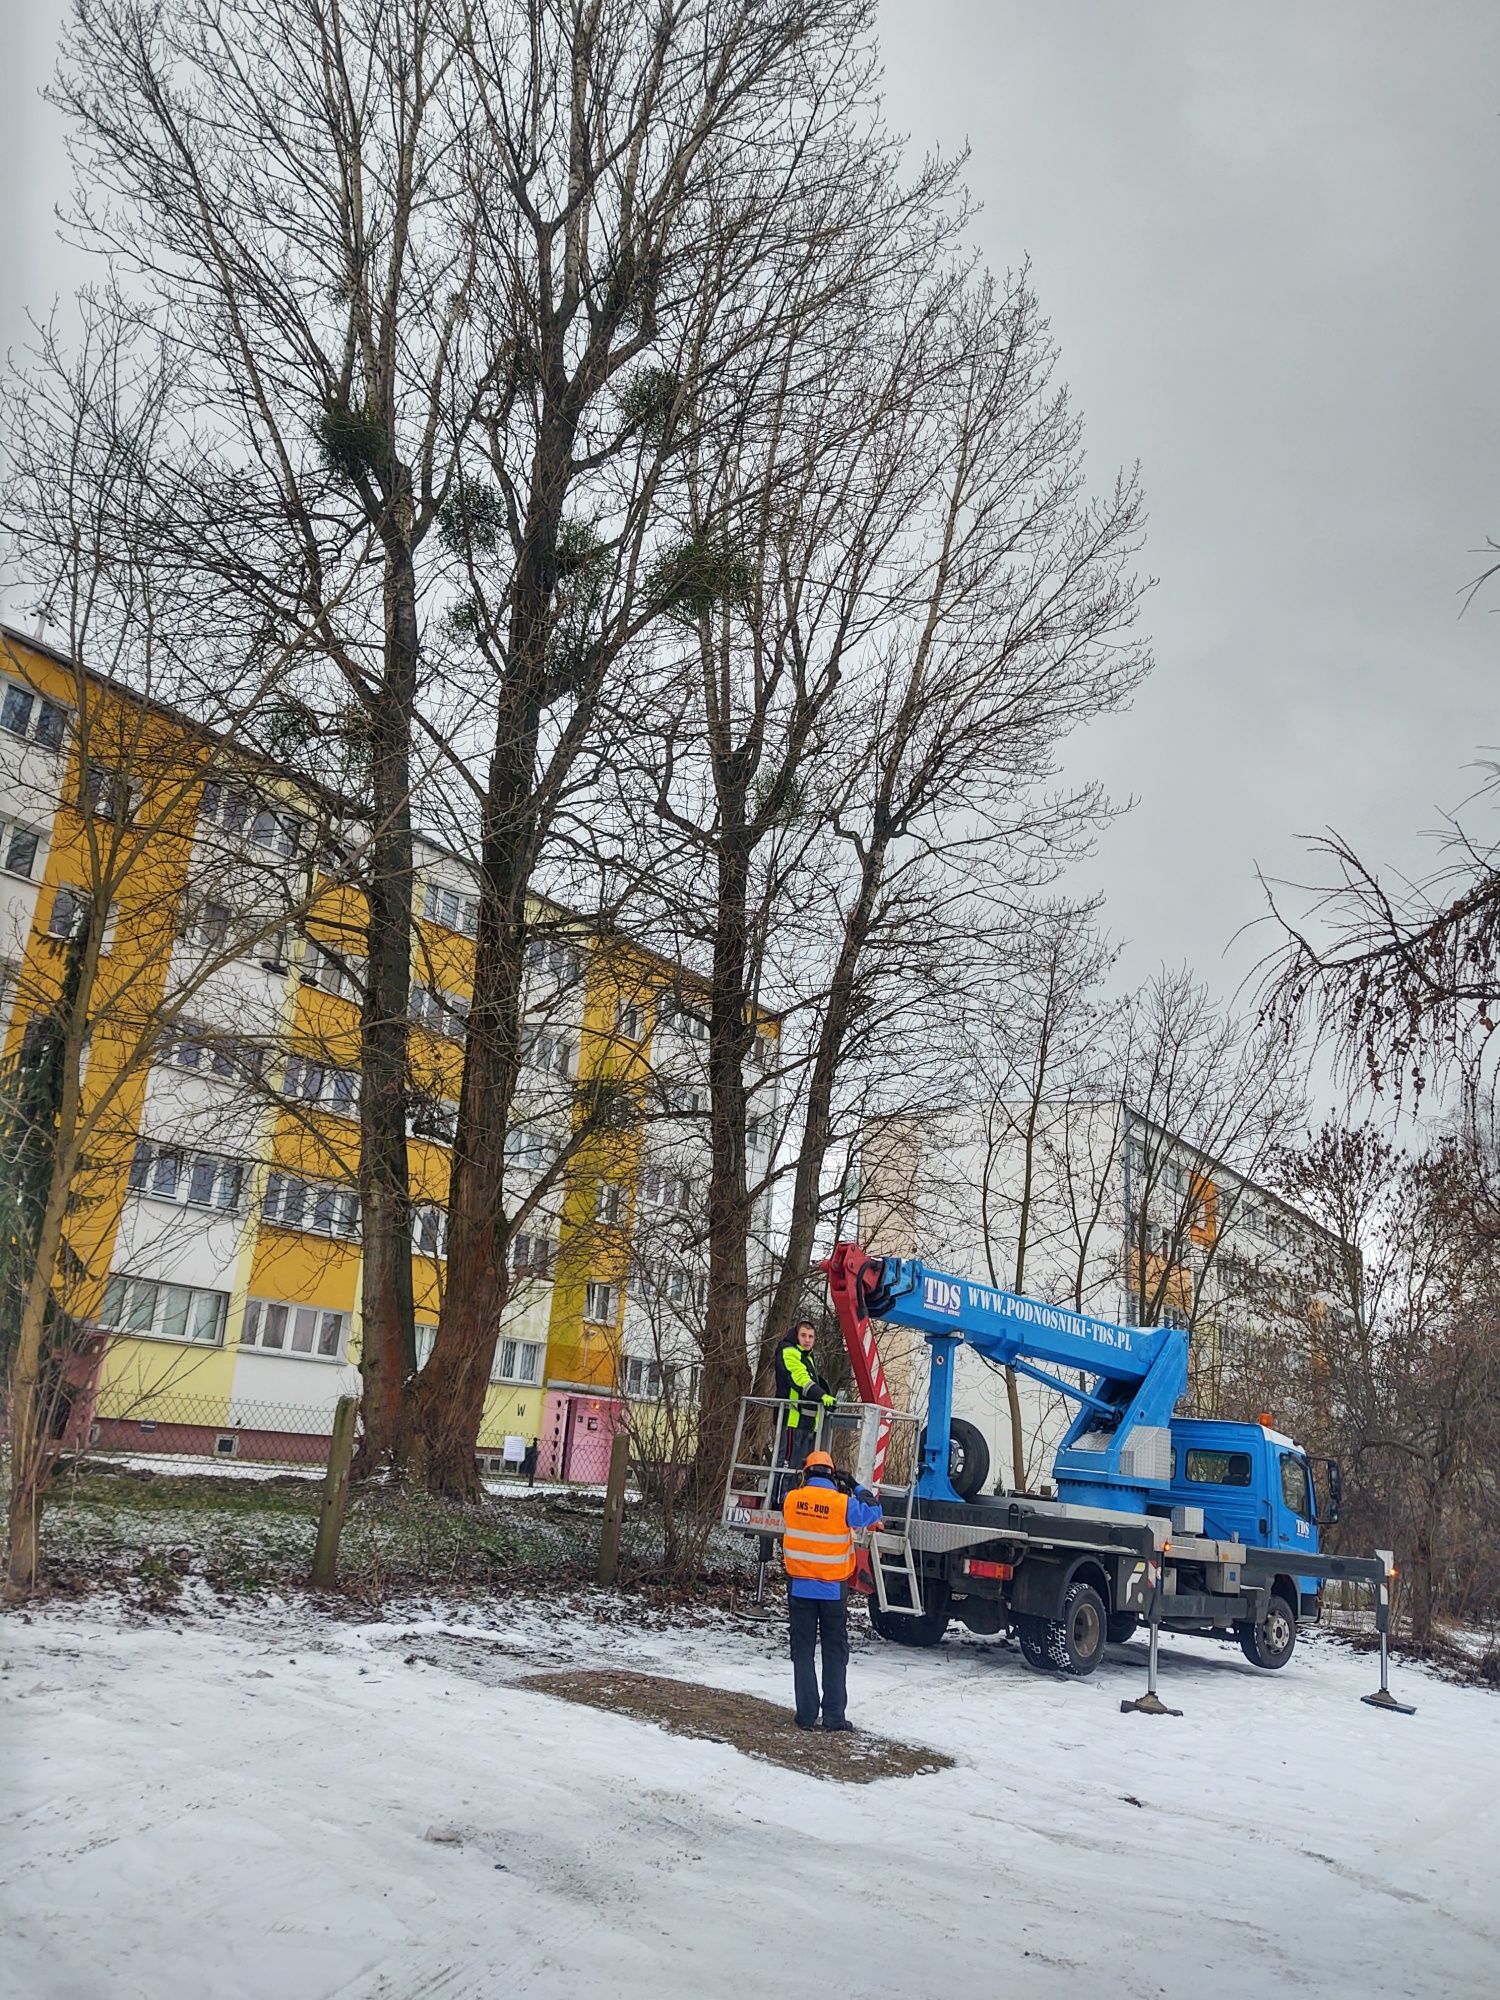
1328,1489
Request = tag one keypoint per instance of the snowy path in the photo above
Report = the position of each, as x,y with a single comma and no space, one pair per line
252,1810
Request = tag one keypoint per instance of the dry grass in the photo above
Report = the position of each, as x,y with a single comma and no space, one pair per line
757,1728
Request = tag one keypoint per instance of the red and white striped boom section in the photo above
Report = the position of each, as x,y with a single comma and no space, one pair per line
845,1268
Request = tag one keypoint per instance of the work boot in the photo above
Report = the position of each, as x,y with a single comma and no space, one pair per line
806,1725
842,1726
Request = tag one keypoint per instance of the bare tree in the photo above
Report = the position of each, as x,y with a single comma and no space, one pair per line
284,186
651,189
1395,1366
1399,979
906,620
155,903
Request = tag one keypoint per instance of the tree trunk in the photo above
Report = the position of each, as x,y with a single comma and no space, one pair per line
448,1406
726,1362
388,1338
817,1123
30,1461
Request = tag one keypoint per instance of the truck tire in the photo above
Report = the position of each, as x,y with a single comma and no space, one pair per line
1271,1641
926,1628
968,1458
1120,1629
1031,1637
1075,1642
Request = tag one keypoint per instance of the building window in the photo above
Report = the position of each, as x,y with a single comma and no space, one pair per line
517,1361
70,913
755,1135
531,1256
429,1230
28,716
337,972
209,925
630,1021
671,1282
321,1208
555,956
554,1054
200,1049
308,1082
445,1013
684,1099
245,815
433,1118
107,793
673,1013
661,1188
196,1180
599,1303
609,1202
308,1332
643,1379
647,1381
156,1311
453,910
426,1341
532,1149
18,848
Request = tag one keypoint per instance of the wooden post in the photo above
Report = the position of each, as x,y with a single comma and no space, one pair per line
335,1493
614,1507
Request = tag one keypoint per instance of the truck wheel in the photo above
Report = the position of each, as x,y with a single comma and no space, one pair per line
926,1628
968,1458
1271,1642
1031,1636
1120,1629
1075,1642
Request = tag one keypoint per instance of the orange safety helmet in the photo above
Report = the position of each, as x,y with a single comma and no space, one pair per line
817,1461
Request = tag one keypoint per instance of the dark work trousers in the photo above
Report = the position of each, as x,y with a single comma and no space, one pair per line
795,1445
814,1620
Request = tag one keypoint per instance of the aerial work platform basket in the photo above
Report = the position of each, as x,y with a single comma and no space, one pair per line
870,1444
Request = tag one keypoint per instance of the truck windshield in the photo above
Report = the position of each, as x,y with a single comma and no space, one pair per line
1219,1468
1294,1485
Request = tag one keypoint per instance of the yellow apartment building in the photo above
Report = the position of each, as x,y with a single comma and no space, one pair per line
218,1239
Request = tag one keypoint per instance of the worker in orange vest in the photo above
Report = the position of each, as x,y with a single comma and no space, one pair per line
818,1549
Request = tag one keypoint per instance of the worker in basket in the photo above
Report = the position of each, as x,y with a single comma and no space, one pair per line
821,1515
802,1389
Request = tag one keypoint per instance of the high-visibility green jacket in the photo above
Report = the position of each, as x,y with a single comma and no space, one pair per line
797,1380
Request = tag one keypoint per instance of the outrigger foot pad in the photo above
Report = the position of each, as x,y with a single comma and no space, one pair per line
1147,1704
1383,1698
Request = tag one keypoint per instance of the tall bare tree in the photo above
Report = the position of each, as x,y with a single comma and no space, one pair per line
285,188
654,187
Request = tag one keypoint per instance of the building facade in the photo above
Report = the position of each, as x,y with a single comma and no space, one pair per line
1093,1206
221,1255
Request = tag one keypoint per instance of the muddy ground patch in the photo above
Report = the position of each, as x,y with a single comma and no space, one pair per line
758,1728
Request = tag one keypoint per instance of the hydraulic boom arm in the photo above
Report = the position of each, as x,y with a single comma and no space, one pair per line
1120,1434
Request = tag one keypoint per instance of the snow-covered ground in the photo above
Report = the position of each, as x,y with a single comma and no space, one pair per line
273,1806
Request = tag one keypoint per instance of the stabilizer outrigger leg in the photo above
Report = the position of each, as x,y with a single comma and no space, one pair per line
1382,1697
1151,1703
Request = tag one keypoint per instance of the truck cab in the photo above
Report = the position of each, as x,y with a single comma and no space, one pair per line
1253,1484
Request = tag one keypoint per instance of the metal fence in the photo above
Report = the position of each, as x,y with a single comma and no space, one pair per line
179,1432
184,1433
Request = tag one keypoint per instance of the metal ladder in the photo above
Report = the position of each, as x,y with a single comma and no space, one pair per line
893,1560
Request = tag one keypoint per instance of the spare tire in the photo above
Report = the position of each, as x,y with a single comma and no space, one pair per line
968,1458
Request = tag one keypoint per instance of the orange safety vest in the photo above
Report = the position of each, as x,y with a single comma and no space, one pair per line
819,1541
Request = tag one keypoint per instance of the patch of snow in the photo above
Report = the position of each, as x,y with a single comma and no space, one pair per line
277,1806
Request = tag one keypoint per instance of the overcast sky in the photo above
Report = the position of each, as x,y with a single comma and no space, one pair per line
1265,237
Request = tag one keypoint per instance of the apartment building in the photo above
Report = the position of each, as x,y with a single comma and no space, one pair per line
221,1257
1095,1206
